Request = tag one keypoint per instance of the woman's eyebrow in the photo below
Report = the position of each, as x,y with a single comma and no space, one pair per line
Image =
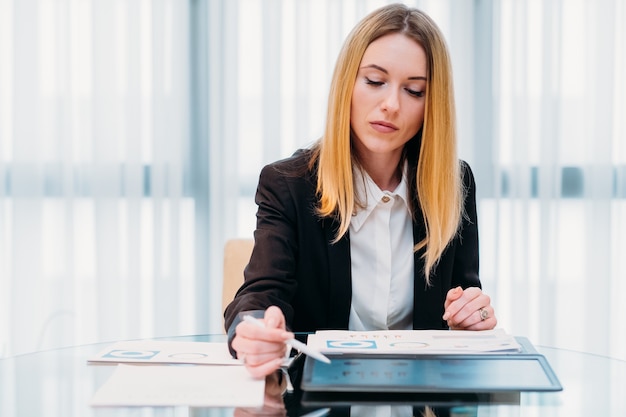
381,69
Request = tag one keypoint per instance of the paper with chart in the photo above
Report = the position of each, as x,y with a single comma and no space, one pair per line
414,341
180,385
156,352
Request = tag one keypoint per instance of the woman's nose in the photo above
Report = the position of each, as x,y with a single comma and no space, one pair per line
391,101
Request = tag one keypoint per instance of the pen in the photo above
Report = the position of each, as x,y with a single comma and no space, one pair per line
296,344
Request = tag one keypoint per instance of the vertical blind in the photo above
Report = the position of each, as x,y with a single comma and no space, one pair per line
96,209
132,135
554,226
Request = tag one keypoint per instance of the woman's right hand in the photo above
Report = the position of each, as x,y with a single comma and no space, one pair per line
262,349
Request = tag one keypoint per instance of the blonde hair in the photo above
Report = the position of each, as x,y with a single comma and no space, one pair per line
438,182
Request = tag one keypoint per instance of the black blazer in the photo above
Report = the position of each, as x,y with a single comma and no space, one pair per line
295,265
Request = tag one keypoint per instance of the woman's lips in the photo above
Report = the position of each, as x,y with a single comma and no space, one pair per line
383,127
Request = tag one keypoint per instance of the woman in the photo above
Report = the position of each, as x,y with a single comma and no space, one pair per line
374,227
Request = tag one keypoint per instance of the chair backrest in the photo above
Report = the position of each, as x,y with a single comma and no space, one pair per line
236,256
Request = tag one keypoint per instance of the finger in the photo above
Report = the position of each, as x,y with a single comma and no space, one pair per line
264,349
456,299
487,324
258,353
482,319
274,318
469,295
461,309
263,369
257,359
453,295
469,314
262,333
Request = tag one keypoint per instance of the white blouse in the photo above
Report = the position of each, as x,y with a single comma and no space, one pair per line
381,251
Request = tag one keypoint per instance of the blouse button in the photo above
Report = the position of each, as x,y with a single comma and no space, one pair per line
386,199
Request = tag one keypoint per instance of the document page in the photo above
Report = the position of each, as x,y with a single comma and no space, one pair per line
155,352
414,341
180,385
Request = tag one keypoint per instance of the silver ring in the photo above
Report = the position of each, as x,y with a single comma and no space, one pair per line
484,314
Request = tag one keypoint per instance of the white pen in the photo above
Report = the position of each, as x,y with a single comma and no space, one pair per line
296,344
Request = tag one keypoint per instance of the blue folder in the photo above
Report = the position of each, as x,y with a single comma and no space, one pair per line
432,373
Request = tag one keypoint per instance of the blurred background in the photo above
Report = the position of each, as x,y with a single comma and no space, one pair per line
132,133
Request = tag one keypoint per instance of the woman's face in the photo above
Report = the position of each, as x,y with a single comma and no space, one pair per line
389,96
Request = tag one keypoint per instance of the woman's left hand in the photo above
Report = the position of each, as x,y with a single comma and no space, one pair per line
469,309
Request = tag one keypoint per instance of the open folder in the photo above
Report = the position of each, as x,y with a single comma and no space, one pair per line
426,362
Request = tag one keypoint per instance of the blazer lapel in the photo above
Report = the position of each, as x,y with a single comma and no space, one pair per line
427,304
340,276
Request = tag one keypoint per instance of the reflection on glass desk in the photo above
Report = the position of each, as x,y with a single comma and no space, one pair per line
60,383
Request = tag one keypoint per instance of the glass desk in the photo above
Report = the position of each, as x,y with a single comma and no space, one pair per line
60,383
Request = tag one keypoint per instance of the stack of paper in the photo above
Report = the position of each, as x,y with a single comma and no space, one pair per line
414,341
179,374
193,386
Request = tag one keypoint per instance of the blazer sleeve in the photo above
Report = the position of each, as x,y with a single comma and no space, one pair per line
466,259
269,276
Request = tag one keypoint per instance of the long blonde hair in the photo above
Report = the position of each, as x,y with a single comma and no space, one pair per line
438,182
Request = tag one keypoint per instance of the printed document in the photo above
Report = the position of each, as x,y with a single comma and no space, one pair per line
414,341
155,352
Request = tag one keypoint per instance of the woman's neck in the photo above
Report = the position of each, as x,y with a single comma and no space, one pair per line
384,171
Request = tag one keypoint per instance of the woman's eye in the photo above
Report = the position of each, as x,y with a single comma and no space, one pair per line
372,82
415,93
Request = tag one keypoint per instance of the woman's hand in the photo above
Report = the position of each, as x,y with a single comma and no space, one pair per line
262,349
469,309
